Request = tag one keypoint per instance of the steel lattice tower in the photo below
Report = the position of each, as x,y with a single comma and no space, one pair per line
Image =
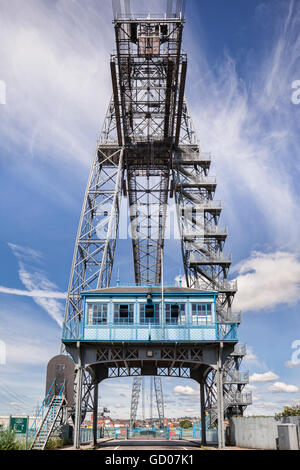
148,151
156,383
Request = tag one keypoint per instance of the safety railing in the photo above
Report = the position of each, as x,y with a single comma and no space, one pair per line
244,398
198,180
86,435
211,434
50,417
41,414
225,285
239,350
221,331
232,317
127,433
192,157
236,377
214,258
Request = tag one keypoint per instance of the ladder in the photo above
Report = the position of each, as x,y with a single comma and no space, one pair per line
49,414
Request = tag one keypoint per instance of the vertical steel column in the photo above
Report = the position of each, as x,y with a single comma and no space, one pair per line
220,400
78,400
95,415
203,417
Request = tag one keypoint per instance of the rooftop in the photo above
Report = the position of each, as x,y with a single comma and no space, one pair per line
147,289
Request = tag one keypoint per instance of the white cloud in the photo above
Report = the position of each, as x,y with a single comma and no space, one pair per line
57,87
55,62
29,353
250,357
38,281
266,280
291,364
33,293
247,125
250,387
282,387
191,410
25,253
28,341
185,390
263,408
43,291
266,377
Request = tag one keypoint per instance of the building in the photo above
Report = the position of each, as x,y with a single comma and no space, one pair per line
134,314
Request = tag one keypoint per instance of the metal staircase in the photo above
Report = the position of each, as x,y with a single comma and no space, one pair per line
47,418
234,382
231,400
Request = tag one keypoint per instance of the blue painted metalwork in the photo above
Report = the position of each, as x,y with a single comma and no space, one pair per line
105,320
41,414
47,417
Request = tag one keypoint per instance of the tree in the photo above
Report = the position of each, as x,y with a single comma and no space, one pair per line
289,411
186,424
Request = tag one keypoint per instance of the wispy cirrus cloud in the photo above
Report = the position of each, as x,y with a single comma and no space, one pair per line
57,89
44,292
252,129
33,293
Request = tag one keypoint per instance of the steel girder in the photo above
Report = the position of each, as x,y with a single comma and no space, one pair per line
159,400
206,267
135,396
147,92
149,139
147,89
97,234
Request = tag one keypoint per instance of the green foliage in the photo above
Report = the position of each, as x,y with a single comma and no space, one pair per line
8,441
186,424
289,411
54,443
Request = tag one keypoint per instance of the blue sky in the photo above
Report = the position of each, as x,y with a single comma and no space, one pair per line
244,57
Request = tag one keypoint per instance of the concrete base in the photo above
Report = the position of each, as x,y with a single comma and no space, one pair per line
287,437
254,433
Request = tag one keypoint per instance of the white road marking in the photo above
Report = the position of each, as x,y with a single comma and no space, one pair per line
116,448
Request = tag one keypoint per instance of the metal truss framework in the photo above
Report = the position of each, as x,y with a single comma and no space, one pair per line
135,397
148,151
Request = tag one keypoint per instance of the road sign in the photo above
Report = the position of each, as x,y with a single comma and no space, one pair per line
18,425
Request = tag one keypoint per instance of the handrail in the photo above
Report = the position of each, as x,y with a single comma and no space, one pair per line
157,326
50,412
224,331
42,408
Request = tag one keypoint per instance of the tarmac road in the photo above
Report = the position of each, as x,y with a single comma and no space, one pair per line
149,445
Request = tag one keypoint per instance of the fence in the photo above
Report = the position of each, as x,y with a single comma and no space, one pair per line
211,434
86,435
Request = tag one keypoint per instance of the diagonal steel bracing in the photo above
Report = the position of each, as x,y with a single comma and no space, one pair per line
148,150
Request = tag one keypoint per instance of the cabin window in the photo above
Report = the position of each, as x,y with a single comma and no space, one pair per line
97,314
123,314
149,314
201,313
175,314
